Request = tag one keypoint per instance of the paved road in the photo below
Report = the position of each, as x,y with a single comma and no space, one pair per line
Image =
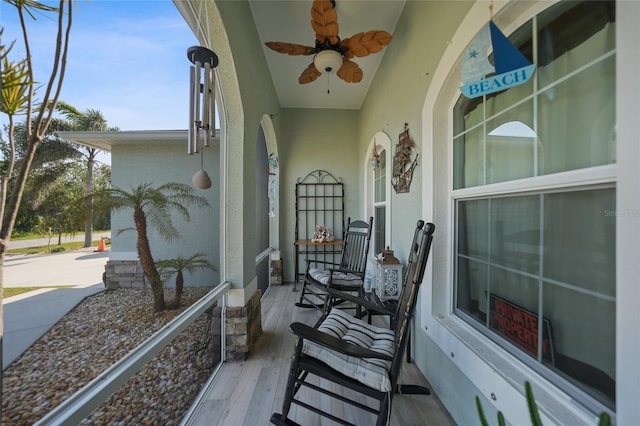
37,242
29,315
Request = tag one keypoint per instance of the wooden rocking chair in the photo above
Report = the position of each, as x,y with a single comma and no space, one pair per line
346,276
354,354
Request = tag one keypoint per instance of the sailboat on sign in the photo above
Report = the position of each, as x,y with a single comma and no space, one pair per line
510,67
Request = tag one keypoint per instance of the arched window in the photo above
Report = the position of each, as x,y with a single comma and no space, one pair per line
378,191
534,196
380,202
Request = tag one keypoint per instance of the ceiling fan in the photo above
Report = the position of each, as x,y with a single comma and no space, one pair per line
331,54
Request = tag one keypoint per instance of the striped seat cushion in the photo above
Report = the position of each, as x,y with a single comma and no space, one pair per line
368,371
342,278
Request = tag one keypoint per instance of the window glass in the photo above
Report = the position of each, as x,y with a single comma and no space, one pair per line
510,250
380,180
534,266
380,202
572,34
579,244
576,120
379,219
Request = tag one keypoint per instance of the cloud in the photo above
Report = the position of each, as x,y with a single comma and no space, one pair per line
127,59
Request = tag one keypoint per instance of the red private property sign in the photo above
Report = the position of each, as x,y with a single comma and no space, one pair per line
520,327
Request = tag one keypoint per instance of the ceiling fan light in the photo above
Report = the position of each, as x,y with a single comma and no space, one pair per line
328,61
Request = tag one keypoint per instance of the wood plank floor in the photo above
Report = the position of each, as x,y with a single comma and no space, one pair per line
247,393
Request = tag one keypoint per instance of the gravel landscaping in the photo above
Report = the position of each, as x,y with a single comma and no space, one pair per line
98,332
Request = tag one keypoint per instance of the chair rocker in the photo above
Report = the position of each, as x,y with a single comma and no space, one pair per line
356,355
346,276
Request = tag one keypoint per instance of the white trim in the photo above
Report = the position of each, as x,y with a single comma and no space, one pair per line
272,147
263,255
628,201
575,178
206,22
382,142
490,368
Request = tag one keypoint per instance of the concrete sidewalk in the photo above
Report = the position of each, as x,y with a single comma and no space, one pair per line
29,315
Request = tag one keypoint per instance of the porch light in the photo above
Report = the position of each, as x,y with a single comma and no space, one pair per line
328,61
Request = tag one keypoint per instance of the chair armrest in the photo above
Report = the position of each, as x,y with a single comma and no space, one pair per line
309,333
347,271
350,297
324,262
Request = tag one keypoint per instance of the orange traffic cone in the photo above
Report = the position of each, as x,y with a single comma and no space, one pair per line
101,244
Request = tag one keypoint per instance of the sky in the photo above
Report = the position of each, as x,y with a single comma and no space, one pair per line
127,59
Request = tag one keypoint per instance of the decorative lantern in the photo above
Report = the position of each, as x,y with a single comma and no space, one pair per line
388,276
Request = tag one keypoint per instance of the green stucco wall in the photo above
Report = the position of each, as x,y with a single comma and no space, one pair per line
135,165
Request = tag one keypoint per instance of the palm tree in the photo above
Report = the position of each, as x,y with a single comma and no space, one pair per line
153,205
51,163
89,120
177,267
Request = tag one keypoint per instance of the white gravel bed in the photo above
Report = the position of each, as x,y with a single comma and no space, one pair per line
95,334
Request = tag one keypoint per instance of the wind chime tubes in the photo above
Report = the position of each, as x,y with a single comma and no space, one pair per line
201,96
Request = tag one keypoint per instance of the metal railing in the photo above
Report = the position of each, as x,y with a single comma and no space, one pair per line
81,404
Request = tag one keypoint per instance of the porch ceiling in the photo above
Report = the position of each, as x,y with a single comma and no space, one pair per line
289,21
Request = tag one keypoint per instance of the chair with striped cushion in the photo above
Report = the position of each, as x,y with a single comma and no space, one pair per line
347,275
354,354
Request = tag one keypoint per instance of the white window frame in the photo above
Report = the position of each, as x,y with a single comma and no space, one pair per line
498,375
382,142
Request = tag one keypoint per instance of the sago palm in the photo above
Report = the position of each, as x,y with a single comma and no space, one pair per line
152,206
178,267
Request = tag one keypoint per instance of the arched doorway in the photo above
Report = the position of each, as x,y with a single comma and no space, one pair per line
267,223
263,247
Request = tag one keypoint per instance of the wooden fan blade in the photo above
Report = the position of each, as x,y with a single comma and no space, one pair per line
350,72
364,44
344,47
290,48
324,21
309,74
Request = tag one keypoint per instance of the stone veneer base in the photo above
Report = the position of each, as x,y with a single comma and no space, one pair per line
243,328
123,274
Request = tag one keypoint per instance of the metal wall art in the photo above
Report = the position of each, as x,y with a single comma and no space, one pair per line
405,160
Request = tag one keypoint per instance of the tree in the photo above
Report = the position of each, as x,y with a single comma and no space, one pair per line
151,206
19,97
89,120
49,174
61,203
52,164
177,267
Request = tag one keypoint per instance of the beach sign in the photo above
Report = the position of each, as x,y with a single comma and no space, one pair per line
481,77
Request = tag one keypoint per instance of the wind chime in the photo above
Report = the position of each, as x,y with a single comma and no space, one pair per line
202,102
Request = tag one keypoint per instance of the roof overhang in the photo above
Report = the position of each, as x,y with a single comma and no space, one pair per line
105,141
